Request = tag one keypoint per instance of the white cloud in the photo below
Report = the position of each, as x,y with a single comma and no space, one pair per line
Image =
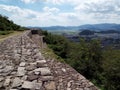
48,17
83,12
56,1
72,2
99,6
18,11
100,10
27,17
32,1
28,1
47,9
20,16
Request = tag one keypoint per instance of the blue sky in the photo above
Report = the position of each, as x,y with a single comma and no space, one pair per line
61,12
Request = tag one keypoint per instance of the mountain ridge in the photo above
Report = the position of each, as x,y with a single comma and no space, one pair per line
95,27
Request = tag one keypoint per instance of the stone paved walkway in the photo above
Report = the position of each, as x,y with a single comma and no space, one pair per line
22,67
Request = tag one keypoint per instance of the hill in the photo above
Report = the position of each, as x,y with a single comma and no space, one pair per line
101,27
8,25
110,31
86,32
94,27
61,28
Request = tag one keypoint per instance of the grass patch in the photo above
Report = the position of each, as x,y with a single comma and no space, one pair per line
6,34
49,54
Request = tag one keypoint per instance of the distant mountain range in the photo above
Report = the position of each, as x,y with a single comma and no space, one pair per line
95,27
100,27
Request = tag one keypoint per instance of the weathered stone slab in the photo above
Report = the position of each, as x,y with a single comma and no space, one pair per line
1,79
63,69
16,56
16,82
41,65
21,71
8,69
1,84
30,67
24,78
32,77
50,86
38,86
46,78
38,55
28,85
43,71
1,66
41,61
69,89
7,82
33,63
37,73
22,64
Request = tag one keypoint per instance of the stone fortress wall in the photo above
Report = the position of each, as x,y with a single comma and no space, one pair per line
23,67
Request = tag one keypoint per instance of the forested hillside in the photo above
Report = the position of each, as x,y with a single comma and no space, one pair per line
100,66
7,26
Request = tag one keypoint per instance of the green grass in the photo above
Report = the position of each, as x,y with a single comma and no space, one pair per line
49,54
6,34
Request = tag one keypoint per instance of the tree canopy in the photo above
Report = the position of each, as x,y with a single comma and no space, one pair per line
100,66
7,25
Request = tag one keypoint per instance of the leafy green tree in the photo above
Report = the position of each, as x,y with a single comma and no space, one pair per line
57,43
100,66
86,58
111,68
7,25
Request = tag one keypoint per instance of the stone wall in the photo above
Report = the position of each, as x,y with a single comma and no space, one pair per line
22,67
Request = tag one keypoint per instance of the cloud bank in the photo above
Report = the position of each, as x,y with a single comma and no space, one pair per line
52,12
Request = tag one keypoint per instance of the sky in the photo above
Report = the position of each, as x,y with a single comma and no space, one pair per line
61,12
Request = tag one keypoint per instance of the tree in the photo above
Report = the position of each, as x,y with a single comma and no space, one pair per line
100,66
57,43
7,25
87,59
111,68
